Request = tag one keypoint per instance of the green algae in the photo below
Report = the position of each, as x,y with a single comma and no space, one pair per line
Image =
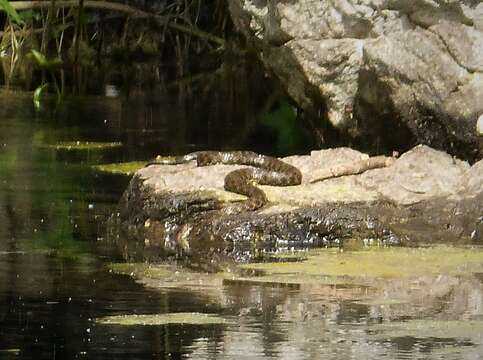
162,319
377,263
262,281
82,145
83,151
169,276
353,245
288,256
421,328
141,270
323,267
126,168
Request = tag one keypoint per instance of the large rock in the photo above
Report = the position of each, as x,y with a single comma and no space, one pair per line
402,67
425,196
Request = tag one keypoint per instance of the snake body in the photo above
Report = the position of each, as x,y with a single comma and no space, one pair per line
264,170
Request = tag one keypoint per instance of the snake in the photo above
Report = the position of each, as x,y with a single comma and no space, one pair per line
263,170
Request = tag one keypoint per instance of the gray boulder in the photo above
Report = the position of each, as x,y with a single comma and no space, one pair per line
401,67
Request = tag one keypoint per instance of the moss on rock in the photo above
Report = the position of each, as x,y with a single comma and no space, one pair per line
126,168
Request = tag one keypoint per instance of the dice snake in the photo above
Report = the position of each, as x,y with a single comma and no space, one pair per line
263,170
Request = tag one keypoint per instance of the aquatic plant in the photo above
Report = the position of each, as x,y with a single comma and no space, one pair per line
376,263
92,152
83,145
162,319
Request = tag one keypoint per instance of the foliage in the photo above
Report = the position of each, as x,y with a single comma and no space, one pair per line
78,38
162,319
283,120
49,64
38,94
11,12
44,62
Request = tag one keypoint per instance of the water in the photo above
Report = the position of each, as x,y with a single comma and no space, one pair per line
53,206
54,281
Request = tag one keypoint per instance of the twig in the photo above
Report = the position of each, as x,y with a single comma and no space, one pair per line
352,168
130,10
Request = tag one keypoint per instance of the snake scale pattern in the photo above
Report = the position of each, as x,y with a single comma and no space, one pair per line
264,170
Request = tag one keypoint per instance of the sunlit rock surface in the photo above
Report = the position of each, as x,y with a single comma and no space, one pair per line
415,67
425,196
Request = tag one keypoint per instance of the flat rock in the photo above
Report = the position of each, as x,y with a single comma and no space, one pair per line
419,174
178,209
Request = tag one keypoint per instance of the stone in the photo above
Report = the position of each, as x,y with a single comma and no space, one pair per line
425,196
412,66
479,126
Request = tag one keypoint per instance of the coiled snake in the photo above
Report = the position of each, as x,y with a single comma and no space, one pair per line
265,170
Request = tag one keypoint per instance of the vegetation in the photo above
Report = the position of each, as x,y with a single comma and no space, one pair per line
387,263
324,266
127,168
83,145
72,43
162,319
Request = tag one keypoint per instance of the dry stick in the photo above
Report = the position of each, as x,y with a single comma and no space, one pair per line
47,28
352,168
77,37
132,11
44,42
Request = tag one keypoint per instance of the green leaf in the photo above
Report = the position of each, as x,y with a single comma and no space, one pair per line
38,94
283,120
39,57
27,15
43,61
11,12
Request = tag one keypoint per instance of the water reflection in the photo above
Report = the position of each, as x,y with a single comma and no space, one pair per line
53,282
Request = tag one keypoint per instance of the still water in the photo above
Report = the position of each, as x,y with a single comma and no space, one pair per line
54,281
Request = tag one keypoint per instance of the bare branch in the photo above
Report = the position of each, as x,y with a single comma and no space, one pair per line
129,10
352,168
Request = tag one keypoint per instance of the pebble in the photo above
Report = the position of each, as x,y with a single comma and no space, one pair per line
479,125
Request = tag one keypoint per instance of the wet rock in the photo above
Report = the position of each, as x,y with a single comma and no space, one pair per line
415,67
177,210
